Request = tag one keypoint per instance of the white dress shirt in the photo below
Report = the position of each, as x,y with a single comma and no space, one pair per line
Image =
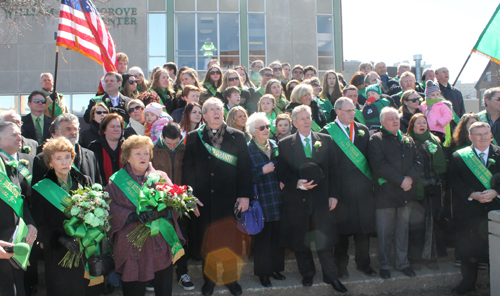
115,100
302,138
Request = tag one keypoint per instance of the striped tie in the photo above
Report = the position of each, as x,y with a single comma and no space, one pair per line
39,133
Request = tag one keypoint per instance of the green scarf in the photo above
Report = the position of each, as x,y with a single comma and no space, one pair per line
162,145
272,119
431,102
399,135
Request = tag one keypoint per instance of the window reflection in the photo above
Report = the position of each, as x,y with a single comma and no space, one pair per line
185,33
157,34
256,35
8,102
80,103
325,35
206,39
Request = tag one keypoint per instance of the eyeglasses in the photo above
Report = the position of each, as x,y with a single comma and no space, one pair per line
496,99
233,78
291,88
36,101
414,100
297,72
277,69
348,110
134,109
101,112
315,85
268,75
132,81
485,135
263,127
214,72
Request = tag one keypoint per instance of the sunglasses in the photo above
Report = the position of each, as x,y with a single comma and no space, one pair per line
277,69
315,85
268,75
414,100
134,109
132,81
262,128
36,101
297,72
214,72
233,78
101,112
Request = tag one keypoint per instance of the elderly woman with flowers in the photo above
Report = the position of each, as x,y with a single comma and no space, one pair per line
62,177
269,257
426,239
155,258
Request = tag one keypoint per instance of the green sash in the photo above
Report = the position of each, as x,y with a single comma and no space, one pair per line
22,233
456,119
358,114
315,127
261,90
484,118
224,156
209,86
351,151
476,166
22,169
133,192
53,193
10,194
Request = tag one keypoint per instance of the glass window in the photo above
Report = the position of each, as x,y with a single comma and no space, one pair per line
187,61
256,6
325,63
229,62
324,6
325,35
185,34
80,103
156,61
25,109
256,35
229,5
229,34
157,5
207,5
157,35
9,102
207,44
184,5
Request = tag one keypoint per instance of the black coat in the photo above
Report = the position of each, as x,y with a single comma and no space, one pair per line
89,135
206,94
317,115
32,144
305,211
392,160
62,281
168,101
28,129
85,161
471,216
355,211
96,147
8,222
404,120
455,97
120,109
216,183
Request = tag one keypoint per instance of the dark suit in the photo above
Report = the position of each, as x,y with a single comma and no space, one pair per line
217,184
12,279
119,109
471,217
32,144
355,211
305,215
28,129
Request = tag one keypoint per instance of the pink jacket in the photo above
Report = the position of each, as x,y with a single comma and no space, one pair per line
438,116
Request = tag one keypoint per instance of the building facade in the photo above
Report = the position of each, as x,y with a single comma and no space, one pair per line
153,32
490,78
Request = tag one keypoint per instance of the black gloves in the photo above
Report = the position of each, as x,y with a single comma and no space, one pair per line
133,217
146,217
53,96
69,243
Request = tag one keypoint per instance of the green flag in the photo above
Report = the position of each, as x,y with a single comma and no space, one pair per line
489,41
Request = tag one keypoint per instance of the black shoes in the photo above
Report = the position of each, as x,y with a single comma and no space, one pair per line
337,286
278,276
307,281
367,270
235,288
385,273
462,289
408,272
207,289
264,281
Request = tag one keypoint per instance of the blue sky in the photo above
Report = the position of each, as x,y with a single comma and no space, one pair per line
443,31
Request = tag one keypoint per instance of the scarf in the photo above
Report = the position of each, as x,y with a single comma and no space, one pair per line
216,138
162,145
431,102
399,135
265,148
438,158
137,126
147,131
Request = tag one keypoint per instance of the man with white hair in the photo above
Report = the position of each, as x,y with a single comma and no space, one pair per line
28,146
56,105
406,82
307,166
67,125
451,94
396,166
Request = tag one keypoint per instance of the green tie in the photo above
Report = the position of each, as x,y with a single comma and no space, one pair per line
307,148
481,156
348,133
39,133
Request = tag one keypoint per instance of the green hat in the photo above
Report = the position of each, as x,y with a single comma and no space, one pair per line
373,87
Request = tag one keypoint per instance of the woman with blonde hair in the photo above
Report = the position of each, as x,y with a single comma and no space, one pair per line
162,86
275,88
232,78
237,118
302,94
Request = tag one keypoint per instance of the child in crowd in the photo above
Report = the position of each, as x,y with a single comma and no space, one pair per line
232,98
373,107
438,111
283,126
267,104
155,119
190,94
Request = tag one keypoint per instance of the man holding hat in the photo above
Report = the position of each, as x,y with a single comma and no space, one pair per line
307,167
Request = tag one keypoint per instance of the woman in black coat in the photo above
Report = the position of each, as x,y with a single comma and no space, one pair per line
92,133
59,155
161,86
212,81
302,94
410,101
232,78
107,148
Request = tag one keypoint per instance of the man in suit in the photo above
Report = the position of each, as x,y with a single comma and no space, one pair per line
396,166
308,201
355,211
475,195
12,279
114,100
28,146
68,126
220,177
36,124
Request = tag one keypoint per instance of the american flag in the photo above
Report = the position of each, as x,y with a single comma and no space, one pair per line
81,29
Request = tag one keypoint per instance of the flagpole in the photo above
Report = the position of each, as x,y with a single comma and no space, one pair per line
55,81
462,69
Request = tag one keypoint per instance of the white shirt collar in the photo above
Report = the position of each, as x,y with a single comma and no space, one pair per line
115,100
486,153
14,156
302,138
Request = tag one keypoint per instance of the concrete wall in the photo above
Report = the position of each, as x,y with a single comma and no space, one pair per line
494,241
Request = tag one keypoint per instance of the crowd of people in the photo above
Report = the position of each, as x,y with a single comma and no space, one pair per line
379,158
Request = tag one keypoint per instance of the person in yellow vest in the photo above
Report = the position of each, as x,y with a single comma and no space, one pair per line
53,98
208,49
